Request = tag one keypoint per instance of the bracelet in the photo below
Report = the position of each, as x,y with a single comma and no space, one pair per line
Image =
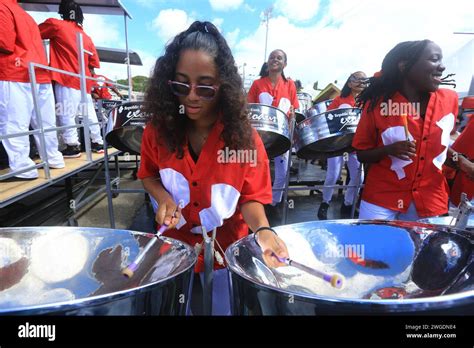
261,229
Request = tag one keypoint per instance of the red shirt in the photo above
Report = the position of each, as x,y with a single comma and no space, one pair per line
338,101
464,144
282,96
393,183
212,190
19,34
100,88
64,51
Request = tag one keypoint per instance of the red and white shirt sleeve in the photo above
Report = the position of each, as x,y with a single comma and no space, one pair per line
393,183
339,101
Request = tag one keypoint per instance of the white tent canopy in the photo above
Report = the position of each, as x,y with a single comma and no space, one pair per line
103,7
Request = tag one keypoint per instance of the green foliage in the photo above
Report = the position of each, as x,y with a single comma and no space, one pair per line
139,83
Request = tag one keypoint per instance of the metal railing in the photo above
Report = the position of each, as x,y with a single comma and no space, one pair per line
40,131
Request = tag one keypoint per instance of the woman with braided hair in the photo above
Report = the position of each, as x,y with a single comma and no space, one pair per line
404,134
198,114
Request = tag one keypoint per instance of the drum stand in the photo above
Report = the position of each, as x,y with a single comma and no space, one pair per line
208,270
465,209
286,188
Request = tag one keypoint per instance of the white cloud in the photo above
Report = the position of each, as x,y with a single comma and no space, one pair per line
225,5
119,71
102,30
232,37
171,22
218,23
301,10
362,35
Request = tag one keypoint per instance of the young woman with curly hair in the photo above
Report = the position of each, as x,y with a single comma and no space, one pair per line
188,155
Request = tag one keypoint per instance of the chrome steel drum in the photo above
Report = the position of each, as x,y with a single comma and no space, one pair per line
272,125
320,107
299,116
305,100
326,135
77,271
448,221
125,128
380,260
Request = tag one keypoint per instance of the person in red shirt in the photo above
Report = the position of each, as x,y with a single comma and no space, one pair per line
20,44
198,115
100,90
276,90
64,55
404,133
351,89
464,180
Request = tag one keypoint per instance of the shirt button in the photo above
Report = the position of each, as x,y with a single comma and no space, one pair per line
414,190
425,139
422,158
195,204
418,175
194,183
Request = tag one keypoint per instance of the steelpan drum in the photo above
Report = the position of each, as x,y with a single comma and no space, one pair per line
272,125
320,107
380,260
125,127
326,135
448,221
77,271
305,100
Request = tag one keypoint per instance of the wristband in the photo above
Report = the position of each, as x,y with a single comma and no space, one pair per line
261,229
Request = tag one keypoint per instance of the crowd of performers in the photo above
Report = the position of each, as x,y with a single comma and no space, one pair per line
197,105
59,95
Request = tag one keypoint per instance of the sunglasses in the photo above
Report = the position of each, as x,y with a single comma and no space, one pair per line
202,91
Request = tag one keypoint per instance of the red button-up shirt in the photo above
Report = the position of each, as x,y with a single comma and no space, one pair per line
393,183
212,189
19,35
464,144
338,101
282,96
64,51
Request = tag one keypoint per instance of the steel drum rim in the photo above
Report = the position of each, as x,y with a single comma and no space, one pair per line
98,299
402,304
309,118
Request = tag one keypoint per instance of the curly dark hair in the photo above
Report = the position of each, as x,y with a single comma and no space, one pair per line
163,106
389,81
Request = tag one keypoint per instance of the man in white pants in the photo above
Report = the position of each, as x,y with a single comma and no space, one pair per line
20,44
64,55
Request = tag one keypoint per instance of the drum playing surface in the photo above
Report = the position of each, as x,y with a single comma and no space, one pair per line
46,269
381,263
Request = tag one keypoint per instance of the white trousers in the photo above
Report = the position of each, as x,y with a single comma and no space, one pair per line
281,166
17,114
334,171
369,211
68,107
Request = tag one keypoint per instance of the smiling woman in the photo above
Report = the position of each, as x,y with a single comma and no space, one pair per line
406,150
199,124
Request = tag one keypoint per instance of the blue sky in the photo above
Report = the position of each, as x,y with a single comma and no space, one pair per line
325,40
